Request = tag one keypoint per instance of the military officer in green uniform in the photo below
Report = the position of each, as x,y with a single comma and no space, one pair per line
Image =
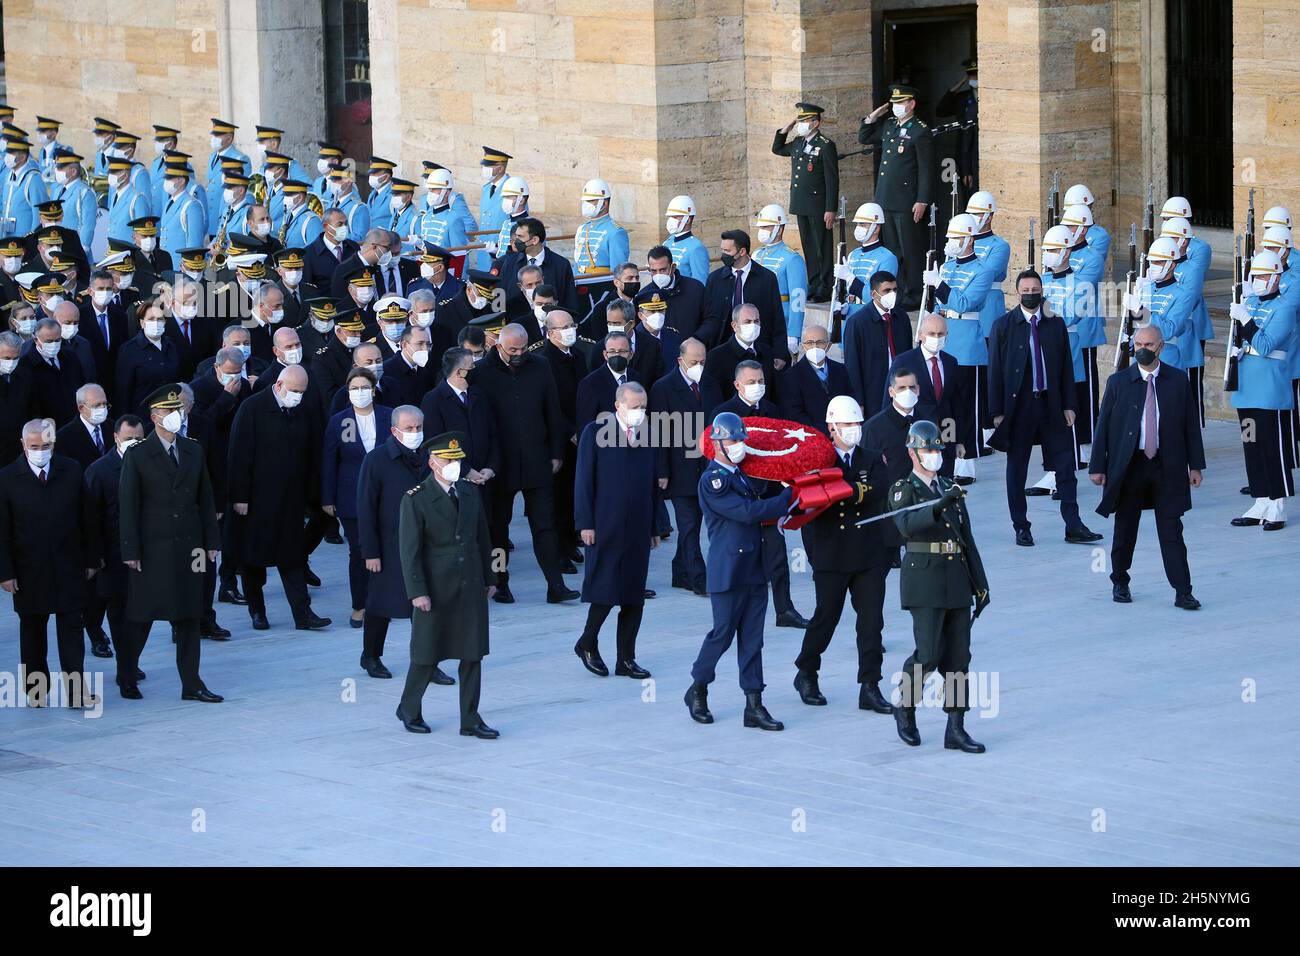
942,575
904,184
446,564
814,193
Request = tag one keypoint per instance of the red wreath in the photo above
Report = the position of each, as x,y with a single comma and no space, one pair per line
781,450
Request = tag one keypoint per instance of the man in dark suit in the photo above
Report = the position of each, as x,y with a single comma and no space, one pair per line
326,251
529,248
873,338
568,367
885,432
1033,402
683,298
45,561
454,405
807,386
748,400
103,325
370,256
743,345
196,339
289,266
55,377
397,273
477,299
16,399
1148,453
85,439
739,280
530,430
942,387
410,375
146,360
647,359
679,402
596,390
169,537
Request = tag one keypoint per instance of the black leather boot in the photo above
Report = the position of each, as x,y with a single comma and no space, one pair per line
905,718
809,692
756,714
697,702
956,738
870,698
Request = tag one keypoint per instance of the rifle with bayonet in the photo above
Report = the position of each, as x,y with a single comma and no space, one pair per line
1233,354
1032,224
1124,344
1149,218
1054,201
956,200
840,291
931,260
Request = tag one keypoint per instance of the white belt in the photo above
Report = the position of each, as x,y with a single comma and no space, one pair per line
968,316
1275,354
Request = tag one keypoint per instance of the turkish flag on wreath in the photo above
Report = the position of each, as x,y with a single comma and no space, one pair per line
792,453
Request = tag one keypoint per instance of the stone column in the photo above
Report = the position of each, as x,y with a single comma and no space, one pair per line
1265,107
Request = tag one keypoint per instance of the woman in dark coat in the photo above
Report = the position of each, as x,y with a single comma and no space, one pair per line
614,501
351,435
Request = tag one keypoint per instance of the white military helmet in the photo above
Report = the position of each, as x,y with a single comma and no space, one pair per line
1277,216
1176,207
514,186
1076,214
869,213
843,408
962,226
1079,193
1177,228
681,207
1164,249
1058,237
1276,237
771,215
1266,263
982,203
439,179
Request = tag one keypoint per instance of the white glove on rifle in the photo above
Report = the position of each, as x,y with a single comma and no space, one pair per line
844,272
1239,313
1140,285
1132,302
931,278
490,247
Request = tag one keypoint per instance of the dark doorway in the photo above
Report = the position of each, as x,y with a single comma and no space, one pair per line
925,48
347,77
1199,76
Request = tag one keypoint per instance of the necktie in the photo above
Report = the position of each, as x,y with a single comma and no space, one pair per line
42,476
1151,440
338,253
821,373
889,336
172,451
695,390
451,493
934,485
99,440
1040,373
185,329
54,363
532,261
629,436
103,328
622,379
738,296
464,398
936,377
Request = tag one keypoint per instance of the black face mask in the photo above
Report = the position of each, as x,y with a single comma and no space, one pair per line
1032,300
618,364
517,245
728,261
632,287
516,360
1145,356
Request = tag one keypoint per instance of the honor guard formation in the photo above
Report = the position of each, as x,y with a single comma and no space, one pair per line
214,365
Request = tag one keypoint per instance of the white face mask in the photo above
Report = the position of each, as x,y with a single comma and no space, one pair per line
340,233
228,196
322,166
736,452
292,277
364,295
861,233
428,270
1258,286
906,398
13,264
153,329
451,472
952,248
68,331
422,320
589,208
1052,258
477,301
753,392
568,336
748,332
361,397
173,421
654,321
53,302
374,181
815,355
11,160
277,316
26,326
215,141
662,279
802,128
933,344
98,415
765,235
899,110
695,372
397,204
245,349
352,341
850,434
633,417
931,460
172,186
889,299
385,258
124,279
158,147
508,206
539,313
291,399
486,173
225,378
292,356
420,358
616,327
674,225
148,244
262,230
1157,271
39,458
186,311
7,366
411,440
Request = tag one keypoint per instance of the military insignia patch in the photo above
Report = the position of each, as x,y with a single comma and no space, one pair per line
898,496
716,483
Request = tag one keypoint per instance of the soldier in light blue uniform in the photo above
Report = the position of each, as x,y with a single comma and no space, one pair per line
458,203
328,155
995,253
1088,269
1198,251
600,244
236,199
490,213
402,208
1191,273
514,203
440,223
441,190
1169,304
1264,397
304,225
276,174
103,132
124,146
47,139
185,215
222,140
690,255
791,271
1277,239
80,204
126,202
1072,296
1098,238
380,179
164,138
345,199
961,288
269,140
23,191
866,260
193,187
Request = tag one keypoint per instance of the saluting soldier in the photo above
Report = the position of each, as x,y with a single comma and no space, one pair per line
168,520
447,565
904,183
942,575
814,193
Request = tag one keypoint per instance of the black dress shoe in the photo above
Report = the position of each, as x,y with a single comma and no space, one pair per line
203,695
630,669
310,576
510,545
756,714
1056,495
333,537
963,480
374,667
697,703
414,725
956,738
231,596
1036,492
809,692
503,595
480,730
356,623
870,698
905,721
560,595
701,592
1120,594
649,593
131,693
139,674
791,618
1245,490
568,567
1187,602
1274,525
1024,538
313,622
441,678
575,555
1245,522
100,648
592,661
1082,535
213,631
260,623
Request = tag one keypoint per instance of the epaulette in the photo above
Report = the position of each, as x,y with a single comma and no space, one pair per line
415,489
540,343
322,350
920,122
583,338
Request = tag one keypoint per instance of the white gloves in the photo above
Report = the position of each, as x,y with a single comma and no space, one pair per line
930,277
1132,302
490,247
1140,285
1239,313
844,271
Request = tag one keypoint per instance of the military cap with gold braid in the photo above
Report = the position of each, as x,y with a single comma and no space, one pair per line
361,278
46,123
293,187
13,246
104,125
339,171
492,157
330,151
251,265
901,93
323,307
403,186
16,144
235,180
49,236
380,165
61,262
123,138
291,258
269,132
166,397
653,303
277,159
238,243
448,445
48,283
67,157
808,111
145,225
492,322
221,127
194,258
6,111
164,133
51,210
393,312
485,282
434,253
118,164
349,320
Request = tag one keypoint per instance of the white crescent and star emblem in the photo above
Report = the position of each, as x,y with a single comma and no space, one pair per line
798,434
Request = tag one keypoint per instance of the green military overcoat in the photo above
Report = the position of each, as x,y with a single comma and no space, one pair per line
947,580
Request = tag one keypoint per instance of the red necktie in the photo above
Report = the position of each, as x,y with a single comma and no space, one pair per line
936,377
695,390
42,476
889,337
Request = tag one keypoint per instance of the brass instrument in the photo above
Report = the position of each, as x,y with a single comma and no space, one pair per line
98,183
315,205
219,256
258,187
